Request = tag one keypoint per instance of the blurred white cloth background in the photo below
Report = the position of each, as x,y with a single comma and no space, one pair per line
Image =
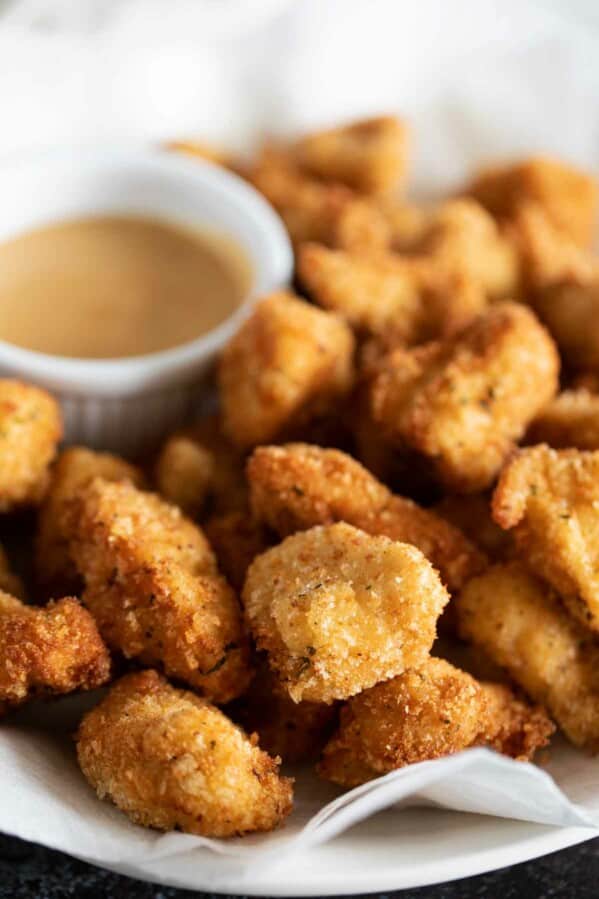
499,76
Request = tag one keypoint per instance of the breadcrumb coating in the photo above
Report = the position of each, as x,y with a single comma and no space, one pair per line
550,500
427,712
463,402
297,486
311,210
184,473
170,760
151,583
48,651
518,620
289,362
567,194
338,610
369,155
295,731
30,430
382,292
571,420
76,467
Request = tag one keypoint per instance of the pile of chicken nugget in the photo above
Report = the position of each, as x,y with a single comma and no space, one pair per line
384,546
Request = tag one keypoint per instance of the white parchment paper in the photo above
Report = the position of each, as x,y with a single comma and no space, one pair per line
478,81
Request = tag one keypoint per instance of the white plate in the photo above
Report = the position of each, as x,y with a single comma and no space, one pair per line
393,850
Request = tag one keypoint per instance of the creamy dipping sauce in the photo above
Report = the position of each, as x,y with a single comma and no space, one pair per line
117,286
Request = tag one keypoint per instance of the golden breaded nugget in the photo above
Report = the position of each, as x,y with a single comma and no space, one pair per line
567,194
463,402
425,713
297,486
406,222
382,293
295,731
227,489
369,155
570,420
313,211
184,473
338,610
76,467
30,429
518,620
289,362
550,500
461,237
9,581
172,761
472,515
236,538
152,585
48,651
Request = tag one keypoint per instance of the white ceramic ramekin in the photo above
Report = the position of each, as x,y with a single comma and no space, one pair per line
126,405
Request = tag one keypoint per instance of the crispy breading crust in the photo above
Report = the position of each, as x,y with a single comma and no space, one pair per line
30,429
570,420
550,498
48,651
76,467
289,362
152,585
297,486
184,473
567,194
425,713
519,622
463,402
382,292
295,731
369,155
338,610
311,210
172,761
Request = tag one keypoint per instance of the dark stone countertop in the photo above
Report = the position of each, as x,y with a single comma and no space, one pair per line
32,872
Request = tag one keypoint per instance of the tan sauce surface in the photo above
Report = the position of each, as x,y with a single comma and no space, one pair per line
117,286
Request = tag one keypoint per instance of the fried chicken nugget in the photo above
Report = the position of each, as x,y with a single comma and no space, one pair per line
289,362
227,489
570,420
295,731
76,467
297,486
550,500
338,610
567,194
518,620
462,237
463,402
184,473
425,713
379,293
152,585
472,515
48,651
369,155
314,211
173,761
30,429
